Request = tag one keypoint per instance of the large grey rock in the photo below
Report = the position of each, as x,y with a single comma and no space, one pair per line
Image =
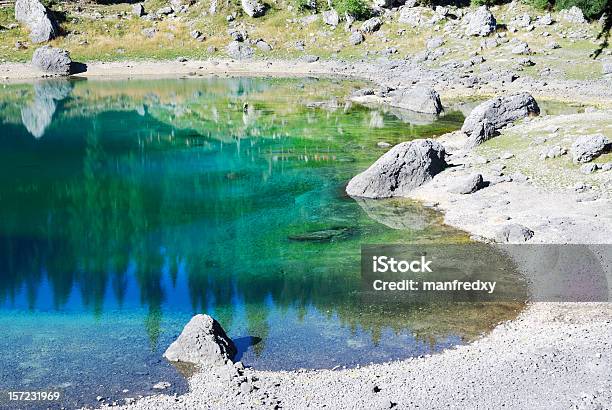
606,67
486,119
52,60
468,185
588,147
404,167
481,22
37,18
331,18
239,51
371,25
514,233
253,8
418,99
203,341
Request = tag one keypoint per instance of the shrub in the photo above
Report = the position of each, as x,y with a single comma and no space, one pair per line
304,5
538,4
592,9
359,9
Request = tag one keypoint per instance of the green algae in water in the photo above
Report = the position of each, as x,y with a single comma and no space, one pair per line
128,206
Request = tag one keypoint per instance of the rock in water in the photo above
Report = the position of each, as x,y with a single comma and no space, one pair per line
490,116
202,341
481,22
324,235
36,17
331,18
253,8
418,99
588,147
52,60
514,233
239,51
404,167
468,185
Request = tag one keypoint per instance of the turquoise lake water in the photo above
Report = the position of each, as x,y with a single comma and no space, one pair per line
128,206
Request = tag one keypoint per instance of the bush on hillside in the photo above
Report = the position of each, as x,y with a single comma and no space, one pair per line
359,9
592,9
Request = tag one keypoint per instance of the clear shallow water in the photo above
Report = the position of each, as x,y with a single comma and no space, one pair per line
128,206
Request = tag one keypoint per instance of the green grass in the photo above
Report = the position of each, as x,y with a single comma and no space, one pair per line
112,39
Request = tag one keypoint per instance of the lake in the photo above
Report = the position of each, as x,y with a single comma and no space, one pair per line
128,206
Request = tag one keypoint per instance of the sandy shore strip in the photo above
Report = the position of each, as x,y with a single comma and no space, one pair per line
552,356
382,72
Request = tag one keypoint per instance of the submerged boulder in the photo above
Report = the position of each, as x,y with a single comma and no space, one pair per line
404,167
486,119
481,22
52,60
324,235
203,341
588,147
418,99
34,15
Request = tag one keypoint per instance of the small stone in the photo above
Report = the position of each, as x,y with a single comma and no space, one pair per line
161,385
513,233
468,185
310,59
589,168
356,38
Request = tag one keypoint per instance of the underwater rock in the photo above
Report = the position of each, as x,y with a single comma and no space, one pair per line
396,213
202,341
324,235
